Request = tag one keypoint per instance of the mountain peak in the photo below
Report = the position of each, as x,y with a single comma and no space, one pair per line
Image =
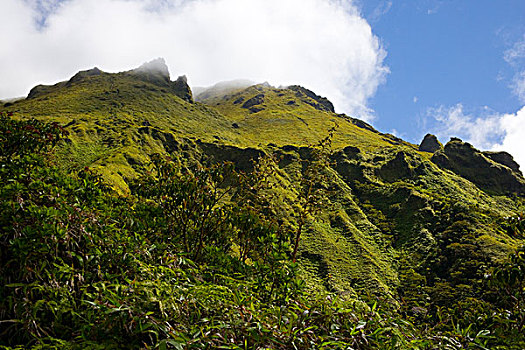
156,67
430,144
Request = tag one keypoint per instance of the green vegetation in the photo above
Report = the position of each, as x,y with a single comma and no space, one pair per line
132,216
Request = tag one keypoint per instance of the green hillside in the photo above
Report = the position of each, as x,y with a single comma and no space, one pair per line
365,214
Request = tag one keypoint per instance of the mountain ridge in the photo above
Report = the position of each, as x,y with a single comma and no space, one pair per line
422,227
148,113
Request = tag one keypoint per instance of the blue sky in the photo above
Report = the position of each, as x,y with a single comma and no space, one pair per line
452,68
444,53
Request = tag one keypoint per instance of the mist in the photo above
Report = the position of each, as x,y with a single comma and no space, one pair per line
324,45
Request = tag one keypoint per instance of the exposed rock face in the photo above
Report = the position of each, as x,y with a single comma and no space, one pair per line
155,72
463,159
182,89
430,144
320,103
503,158
156,69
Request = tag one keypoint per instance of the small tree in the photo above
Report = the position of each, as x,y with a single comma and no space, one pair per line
312,193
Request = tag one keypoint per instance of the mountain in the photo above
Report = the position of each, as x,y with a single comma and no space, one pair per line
398,220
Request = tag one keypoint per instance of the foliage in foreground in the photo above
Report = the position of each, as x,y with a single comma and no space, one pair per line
192,260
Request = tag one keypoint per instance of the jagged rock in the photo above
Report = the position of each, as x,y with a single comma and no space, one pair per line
155,72
430,144
321,103
156,67
505,159
463,159
182,89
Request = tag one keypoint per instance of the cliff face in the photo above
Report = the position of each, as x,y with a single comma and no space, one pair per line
505,159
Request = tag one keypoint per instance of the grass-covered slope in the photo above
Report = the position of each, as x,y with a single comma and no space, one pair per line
293,116
117,120
368,212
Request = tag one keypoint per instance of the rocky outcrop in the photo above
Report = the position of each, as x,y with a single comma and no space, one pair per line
309,97
493,177
156,72
181,88
430,144
503,158
254,101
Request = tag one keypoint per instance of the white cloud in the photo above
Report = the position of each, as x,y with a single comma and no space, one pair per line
486,131
515,56
324,45
380,10
516,52
518,85
513,141
454,121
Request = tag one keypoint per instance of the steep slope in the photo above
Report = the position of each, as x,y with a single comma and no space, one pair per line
294,116
392,213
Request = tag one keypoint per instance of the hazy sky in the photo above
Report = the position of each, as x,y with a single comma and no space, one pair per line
454,68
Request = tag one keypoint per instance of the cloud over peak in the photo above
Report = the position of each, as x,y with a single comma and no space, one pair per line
324,45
